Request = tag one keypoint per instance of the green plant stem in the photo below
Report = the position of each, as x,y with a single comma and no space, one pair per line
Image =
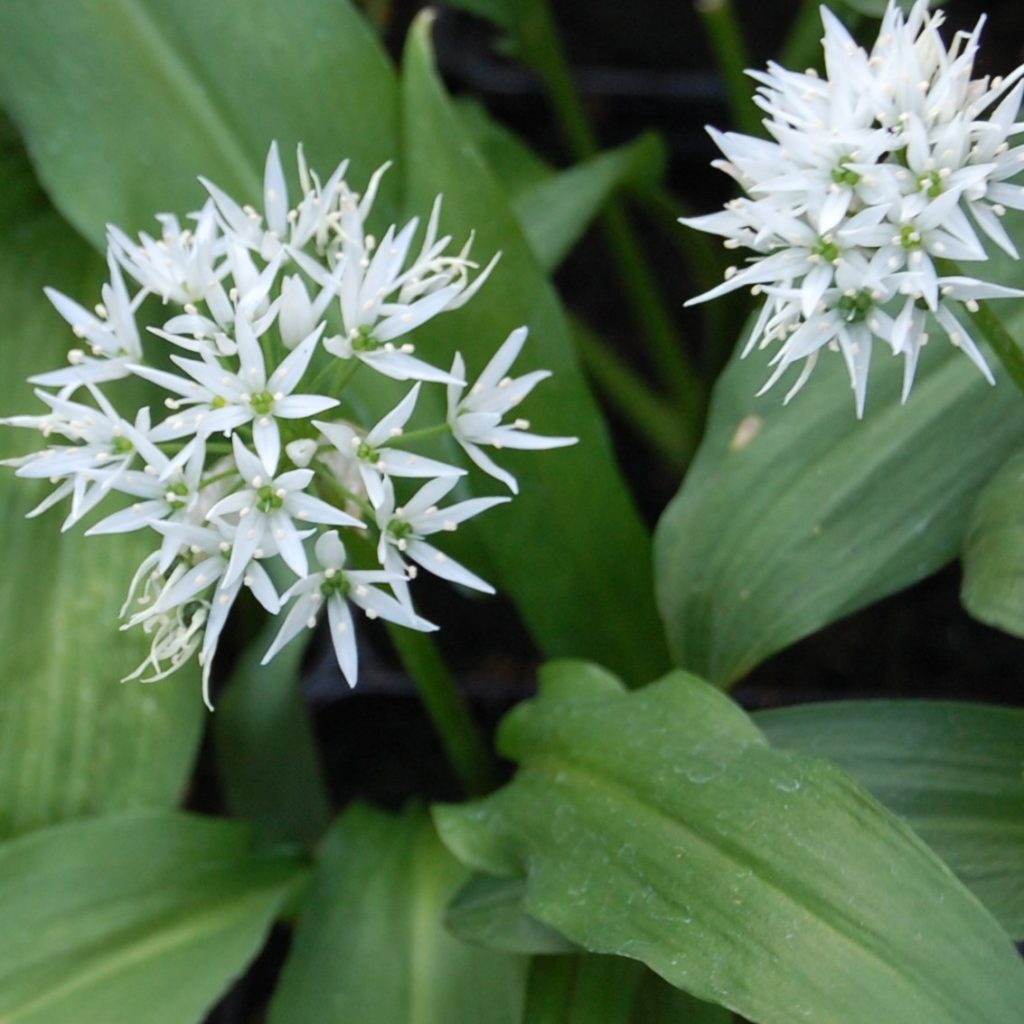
216,478
666,347
541,48
992,329
721,322
336,374
331,489
462,741
802,48
733,58
423,433
1002,342
705,260
631,397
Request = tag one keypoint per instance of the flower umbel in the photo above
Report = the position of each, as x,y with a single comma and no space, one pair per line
261,457
875,175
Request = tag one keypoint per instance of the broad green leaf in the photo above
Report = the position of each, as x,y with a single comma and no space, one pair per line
660,825
794,516
370,946
951,771
266,751
489,912
993,555
554,213
123,103
73,741
146,917
507,154
570,551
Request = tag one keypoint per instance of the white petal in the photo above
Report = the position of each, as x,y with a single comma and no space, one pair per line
489,466
343,638
401,366
287,376
288,542
438,563
330,552
266,437
396,419
275,193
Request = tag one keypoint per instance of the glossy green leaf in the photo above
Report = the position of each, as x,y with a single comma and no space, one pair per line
554,213
197,88
561,987
266,751
370,946
147,917
489,912
73,741
570,551
993,554
951,771
794,516
517,166
660,825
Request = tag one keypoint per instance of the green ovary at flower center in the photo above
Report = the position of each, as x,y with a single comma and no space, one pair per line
262,403
219,402
367,453
177,495
843,174
268,500
364,341
827,250
121,445
910,237
855,308
930,184
336,584
400,529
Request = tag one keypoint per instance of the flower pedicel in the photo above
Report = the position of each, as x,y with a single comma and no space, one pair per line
257,458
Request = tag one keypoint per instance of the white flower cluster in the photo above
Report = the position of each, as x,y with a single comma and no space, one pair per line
875,174
258,462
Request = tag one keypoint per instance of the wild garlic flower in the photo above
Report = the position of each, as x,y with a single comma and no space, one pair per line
259,455
402,529
475,419
873,185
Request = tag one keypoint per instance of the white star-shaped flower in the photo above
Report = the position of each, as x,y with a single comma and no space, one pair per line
476,418
199,594
106,445
339,587
402,530
110,332
215,399
266,512
373,456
